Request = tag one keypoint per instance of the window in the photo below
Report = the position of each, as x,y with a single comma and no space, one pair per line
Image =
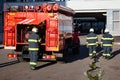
10,0
115,15
116,20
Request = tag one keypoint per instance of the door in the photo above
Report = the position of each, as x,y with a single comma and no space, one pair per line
52,35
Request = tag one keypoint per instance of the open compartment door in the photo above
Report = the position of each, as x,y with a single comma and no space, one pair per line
52,35
9,38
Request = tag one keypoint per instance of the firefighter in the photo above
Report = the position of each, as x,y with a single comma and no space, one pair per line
107,43
92,42
34,41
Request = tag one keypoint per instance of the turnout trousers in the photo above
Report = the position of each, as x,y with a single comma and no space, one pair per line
33,57
92,48
107,49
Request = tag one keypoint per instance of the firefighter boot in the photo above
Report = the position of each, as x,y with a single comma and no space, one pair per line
33,67
94,53
108,56
90,54
104,55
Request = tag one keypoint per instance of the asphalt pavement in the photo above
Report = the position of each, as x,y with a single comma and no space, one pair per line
73,70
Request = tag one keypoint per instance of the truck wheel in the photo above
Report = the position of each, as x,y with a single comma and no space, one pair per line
65,54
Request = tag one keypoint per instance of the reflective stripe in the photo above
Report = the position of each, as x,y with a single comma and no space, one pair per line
112,42
107,38
94,51
107,45
92,44
96,43
33,49
39,40
91,38
90,54
108,55
104,54
33,63
32,40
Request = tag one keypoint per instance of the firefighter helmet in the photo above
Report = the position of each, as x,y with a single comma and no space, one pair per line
106,30
34,29
91,30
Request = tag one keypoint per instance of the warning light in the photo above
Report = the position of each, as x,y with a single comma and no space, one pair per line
26,7
55,7
53,57
49,7
10,55
32,7
49,57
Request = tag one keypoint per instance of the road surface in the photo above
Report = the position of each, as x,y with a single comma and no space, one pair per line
74,70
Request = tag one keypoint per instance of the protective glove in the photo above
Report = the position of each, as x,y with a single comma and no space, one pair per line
87,44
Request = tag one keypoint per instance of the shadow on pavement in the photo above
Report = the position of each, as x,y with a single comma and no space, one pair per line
8,63
115,53
45,65
83,53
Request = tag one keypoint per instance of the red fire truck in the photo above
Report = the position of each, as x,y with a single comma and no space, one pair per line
55,24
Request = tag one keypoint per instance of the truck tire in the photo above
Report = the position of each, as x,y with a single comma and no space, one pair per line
62,55
66,53
65,56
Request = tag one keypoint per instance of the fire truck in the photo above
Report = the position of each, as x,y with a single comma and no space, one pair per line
55,27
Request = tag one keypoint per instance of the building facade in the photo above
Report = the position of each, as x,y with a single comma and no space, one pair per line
1,15
1,21
107,11
99,14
